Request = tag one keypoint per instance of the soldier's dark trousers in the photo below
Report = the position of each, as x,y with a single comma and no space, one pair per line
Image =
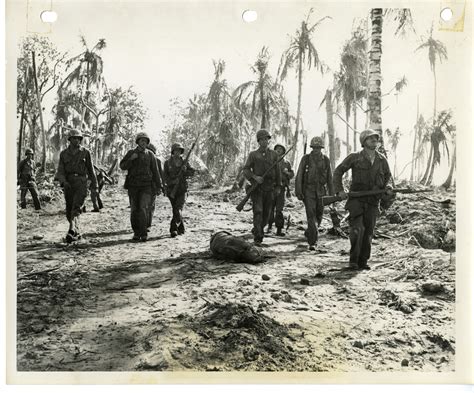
262,202
75,196
276,215
31,187
151,212
362,218
140,201
314,214
177,204
96,199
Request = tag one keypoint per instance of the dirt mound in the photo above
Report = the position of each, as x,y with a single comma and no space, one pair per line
246,338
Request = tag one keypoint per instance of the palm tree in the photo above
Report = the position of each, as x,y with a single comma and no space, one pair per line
404,20
262,92
441,127
301,51
393,140
435,49
350,80
87,72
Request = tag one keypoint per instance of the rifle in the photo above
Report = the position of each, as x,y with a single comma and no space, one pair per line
255,185
327,200
181,173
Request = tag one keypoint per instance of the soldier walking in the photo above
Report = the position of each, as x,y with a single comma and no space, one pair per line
313,181
96,199
175,172
26,180
75,166
370,171
155,187
142,174
276,215
258,162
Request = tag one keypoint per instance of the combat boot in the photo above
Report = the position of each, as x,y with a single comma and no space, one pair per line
280,232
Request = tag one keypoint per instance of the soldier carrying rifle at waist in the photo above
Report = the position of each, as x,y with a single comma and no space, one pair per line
370,171
263,171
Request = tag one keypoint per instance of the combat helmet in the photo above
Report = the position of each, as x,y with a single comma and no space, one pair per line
278,145
141,135
29,151
317,141
176,146
73,133
367,133
263,133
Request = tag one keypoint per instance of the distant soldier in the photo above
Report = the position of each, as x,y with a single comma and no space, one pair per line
258,162
142,175
27,181
175,172
75,166
276,216
96,199
313,181
370,171
155,187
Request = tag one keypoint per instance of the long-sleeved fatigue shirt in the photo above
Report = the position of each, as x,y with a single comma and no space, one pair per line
171,173
142,171
286,177
258,162
366,175
76,162
26,170
314,171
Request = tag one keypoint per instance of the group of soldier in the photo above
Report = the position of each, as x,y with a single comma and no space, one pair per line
266,168
314,179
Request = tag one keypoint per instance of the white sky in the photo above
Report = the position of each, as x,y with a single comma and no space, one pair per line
165,50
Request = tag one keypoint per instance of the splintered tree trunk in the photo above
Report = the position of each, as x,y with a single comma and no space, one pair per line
375,74
298,110
263,123
449,180
348,143
40,111
329,114
413,161
354,113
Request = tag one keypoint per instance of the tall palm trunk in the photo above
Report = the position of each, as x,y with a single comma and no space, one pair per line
263,108
298,109
329,114
348,143
40,111
413,161
375,73
354,113
449,180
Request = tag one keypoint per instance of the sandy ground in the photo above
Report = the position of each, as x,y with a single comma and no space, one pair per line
107,304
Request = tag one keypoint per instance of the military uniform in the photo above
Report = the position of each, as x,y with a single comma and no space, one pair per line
171,177
141,177
75,166
276,215
258,162
366,176
313,181
27,181
156,188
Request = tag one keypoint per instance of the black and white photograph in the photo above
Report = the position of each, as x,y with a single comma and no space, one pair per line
239,190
